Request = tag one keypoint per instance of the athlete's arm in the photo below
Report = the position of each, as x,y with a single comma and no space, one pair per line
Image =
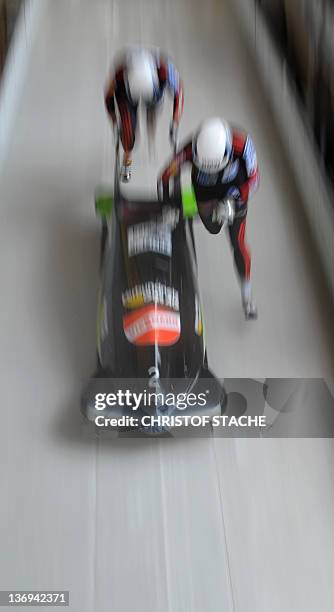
244,148
169,75
250,157
174,166
110,93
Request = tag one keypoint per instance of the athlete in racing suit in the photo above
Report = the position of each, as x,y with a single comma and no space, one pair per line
142,75
224,166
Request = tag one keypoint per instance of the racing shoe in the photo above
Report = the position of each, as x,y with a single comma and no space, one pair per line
250,310
248,304
126,171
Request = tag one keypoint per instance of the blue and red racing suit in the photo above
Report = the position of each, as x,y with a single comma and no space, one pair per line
116,90
239,179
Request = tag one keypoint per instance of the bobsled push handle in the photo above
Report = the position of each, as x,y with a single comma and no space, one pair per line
104,201
189,202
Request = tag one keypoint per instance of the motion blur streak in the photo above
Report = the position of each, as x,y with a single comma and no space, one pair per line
172,525
304,33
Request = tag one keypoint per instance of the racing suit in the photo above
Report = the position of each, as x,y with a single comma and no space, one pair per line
168,78
239,180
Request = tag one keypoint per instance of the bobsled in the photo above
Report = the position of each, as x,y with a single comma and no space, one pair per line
150,329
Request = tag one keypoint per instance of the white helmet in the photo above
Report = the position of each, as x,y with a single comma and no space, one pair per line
212,146
142,77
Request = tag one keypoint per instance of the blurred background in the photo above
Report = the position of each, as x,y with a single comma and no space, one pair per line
303,31
9,10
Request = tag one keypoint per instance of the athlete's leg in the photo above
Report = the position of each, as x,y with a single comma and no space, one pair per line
128,117
242,259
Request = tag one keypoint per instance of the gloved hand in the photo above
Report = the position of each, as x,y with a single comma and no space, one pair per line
225,211
173,133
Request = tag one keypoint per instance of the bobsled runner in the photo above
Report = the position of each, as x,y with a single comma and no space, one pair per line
150,333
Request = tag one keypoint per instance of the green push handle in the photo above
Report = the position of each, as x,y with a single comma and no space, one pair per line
103,203
189,203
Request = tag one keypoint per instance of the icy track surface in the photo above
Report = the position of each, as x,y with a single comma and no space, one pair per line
169,525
